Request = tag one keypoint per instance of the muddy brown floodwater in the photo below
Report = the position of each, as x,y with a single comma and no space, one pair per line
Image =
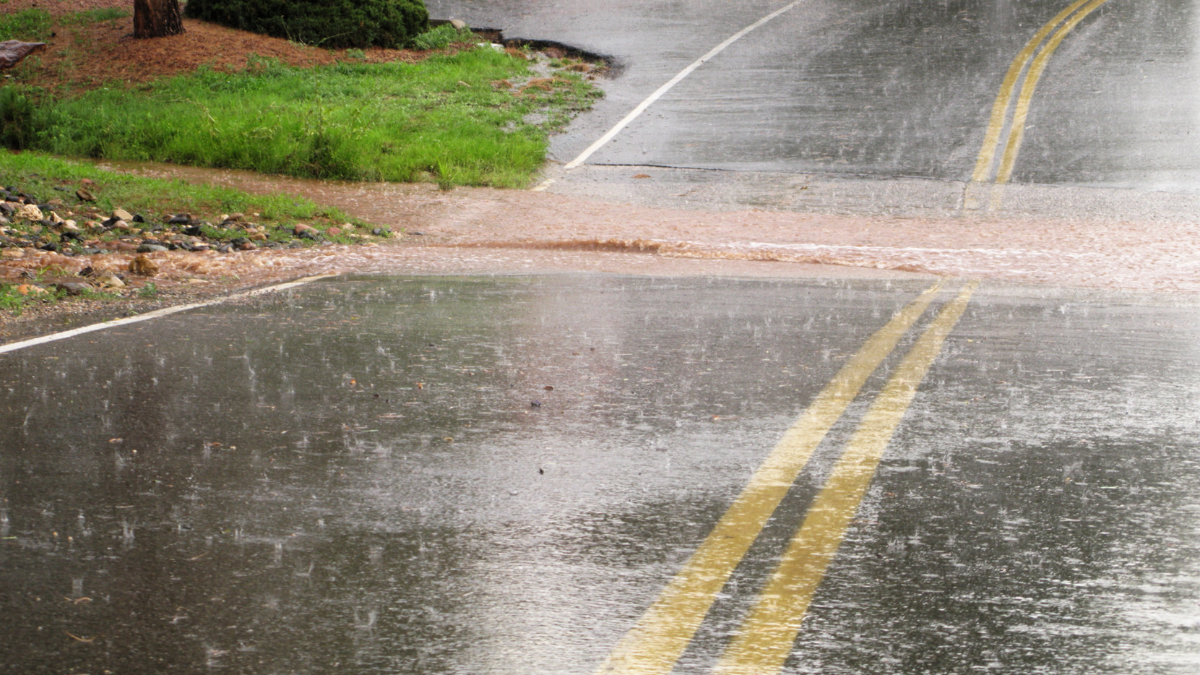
470,227
482,230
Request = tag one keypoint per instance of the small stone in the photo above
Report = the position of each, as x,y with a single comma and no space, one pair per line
73,288
87,183
109,281
87,271
258,236
247,246
334,230
70,226
84,195
152,248
8,208
143,266
29,212
55,218
458,24
122,214
180,219
30,289
137,218
121,225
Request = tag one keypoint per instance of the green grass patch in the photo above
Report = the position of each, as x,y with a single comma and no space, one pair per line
437,120
11,300
47,177
29,25
15,302
441,37
93,16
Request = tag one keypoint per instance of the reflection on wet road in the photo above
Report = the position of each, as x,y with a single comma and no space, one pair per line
887,88
501,475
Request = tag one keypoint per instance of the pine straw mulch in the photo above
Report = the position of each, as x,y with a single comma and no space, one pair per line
104,52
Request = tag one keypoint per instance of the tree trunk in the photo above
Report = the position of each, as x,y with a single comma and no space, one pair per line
156,18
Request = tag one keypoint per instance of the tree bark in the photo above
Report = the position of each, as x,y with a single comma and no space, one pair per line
156,18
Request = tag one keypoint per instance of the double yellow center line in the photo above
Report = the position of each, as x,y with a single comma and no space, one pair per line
658,639
1029,62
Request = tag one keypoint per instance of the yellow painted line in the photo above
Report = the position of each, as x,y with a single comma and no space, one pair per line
766,637
1017,131
991,140
655,643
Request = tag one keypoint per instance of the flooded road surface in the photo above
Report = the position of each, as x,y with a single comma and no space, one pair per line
512,474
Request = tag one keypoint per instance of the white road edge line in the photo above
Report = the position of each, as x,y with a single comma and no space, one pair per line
663,90
12,347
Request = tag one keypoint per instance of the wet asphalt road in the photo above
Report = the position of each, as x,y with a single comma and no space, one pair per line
500,475
882,89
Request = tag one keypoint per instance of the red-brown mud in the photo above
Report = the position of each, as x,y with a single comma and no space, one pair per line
1155,256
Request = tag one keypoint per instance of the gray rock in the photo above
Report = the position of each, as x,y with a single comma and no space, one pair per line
73,288
152,248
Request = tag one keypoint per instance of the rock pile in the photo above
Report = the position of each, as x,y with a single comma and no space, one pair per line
35,232
27,222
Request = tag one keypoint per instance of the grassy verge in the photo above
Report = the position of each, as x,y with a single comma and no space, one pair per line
51,177
30,25
476,117
271,220
217,218
14,298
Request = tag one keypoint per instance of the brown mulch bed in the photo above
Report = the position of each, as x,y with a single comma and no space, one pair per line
106,51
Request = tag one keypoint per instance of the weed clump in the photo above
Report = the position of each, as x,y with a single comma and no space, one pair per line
324,23
18,118
442,37
31,25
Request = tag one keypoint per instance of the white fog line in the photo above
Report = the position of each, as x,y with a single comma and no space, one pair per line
166,311
667,87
